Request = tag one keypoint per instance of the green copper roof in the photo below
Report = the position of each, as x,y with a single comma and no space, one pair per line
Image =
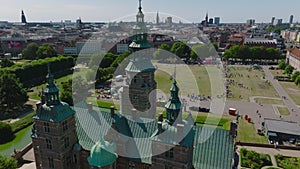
170,134
214,149
92,125
174,102
102,154
140,65
59,113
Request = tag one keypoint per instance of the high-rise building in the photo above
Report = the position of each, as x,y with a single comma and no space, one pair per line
157,18
211,21
169,20
251,22
217,20
272,20
291,19
23,18
277,22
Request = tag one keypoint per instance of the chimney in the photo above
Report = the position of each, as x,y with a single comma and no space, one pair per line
233,129
180,132
133,114
112,111
159,125
38,107
89,107
52,113
160,117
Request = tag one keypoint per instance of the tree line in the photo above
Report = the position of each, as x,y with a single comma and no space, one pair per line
34,51
192,53
252,54
33,73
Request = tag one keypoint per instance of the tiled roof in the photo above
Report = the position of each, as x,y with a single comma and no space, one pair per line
213,149
295,52
140,65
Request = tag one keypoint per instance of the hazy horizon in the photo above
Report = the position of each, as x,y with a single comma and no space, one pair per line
232,11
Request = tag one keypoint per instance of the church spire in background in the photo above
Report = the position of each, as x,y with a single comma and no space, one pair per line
23,18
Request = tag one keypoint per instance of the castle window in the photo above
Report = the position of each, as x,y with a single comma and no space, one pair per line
75,159
67,142
168,166
170,153
68,161
46,127
50,161
48,144
131,165
65,125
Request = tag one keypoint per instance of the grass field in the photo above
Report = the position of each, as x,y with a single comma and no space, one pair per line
269,101
253,82
283,111
20,139
247,133
190,79
293,90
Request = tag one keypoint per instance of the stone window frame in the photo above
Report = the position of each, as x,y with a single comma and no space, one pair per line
48,144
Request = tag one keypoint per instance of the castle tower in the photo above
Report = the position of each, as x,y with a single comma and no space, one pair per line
139,91
54,134
23,18
175,137
174,106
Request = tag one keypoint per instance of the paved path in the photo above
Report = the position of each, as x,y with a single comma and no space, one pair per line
290,104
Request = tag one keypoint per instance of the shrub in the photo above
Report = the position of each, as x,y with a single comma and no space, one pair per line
6,133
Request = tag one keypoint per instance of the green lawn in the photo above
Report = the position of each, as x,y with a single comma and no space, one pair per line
283,111
269,101
190,79
247,133
21,140
293,90
277,72
253,82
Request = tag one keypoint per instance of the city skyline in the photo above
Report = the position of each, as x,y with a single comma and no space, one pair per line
191,10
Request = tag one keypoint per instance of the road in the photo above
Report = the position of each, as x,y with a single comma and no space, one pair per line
289,103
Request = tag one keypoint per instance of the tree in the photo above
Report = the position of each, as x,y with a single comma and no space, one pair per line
161,52
178,48
281,64
13,95
30,52
46,51
6,63
8,162
77,87
289,69
297,80
295,75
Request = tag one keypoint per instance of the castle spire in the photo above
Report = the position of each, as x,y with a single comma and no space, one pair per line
140,5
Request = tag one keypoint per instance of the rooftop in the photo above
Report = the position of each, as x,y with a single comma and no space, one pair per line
282,126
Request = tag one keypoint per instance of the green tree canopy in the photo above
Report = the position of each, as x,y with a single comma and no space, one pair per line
45,51
178,48
8,162
30,52
6,133
281,64
6,63
13,95
289,69
295,75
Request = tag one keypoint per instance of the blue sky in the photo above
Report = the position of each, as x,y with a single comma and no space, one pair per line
109,10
